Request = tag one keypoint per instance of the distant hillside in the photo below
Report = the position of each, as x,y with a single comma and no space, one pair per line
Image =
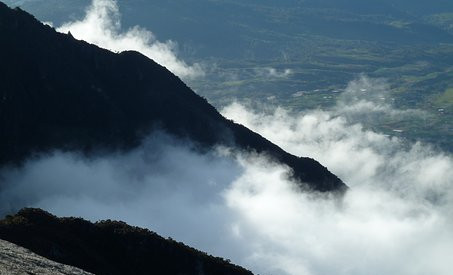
108,247
267,26
60,93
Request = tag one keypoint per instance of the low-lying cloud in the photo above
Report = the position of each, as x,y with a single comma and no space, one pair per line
102,26
334,137
368,99
395,219
273,72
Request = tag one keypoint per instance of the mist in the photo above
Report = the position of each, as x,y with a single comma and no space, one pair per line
102,26
395,219
273,72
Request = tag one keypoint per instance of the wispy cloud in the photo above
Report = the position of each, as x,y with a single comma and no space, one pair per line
102,26
368,99
273,72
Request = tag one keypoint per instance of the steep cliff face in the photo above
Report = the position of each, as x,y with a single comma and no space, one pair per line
60,93
16,260
106,247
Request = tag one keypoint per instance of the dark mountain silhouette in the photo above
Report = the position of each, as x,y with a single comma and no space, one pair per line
108,247
57,92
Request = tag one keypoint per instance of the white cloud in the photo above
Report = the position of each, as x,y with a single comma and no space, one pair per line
369,232
273,73
102,26
370,99
334,137
395,219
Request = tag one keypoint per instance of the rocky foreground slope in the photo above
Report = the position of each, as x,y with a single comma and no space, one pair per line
16,260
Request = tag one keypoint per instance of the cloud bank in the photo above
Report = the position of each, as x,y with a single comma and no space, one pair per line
395,219
102,26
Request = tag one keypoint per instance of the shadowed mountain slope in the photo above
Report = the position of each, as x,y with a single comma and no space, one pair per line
108,247
57,92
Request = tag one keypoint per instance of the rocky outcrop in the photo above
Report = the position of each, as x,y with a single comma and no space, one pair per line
16,260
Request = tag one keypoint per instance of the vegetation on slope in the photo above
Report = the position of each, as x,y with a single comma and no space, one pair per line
108,247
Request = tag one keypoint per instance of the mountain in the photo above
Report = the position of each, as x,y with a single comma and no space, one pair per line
18,260
108,247
323,43
57,92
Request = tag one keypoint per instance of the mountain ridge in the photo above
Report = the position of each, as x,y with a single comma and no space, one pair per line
108,247
61,93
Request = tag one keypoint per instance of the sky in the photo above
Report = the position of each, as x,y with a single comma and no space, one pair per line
395,219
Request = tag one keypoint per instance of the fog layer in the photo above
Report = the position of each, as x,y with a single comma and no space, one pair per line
395,219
